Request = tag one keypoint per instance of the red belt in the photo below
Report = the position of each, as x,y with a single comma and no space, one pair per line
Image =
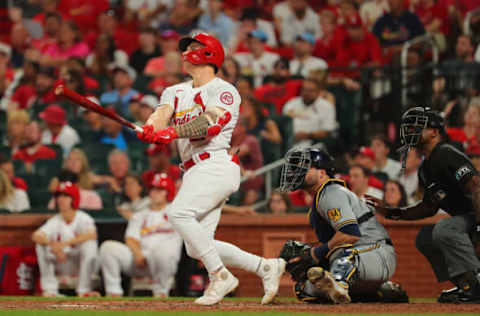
204,156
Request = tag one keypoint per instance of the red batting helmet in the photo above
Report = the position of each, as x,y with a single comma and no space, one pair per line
162,181
211,53
71,190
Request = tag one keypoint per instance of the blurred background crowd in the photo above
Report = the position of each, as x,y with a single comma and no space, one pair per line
331,72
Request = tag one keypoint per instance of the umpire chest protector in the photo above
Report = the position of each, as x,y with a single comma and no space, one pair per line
444,176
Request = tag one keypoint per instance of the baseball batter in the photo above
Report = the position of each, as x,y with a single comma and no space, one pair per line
67,244
356,253
140,255
203,113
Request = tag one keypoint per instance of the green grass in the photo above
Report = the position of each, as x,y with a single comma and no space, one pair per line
150,313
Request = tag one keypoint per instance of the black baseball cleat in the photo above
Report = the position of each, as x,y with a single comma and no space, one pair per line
465,296
448,296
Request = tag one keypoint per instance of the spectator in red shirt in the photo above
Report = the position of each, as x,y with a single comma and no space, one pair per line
469,134
44,95
19,40
7,166
53,21
280,88
159,162
32,149
83,12
365,157
107,22
360,48
434,17
251,158
48,7
24,92
326,46
78,64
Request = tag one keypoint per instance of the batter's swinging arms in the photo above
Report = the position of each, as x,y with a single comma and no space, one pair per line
202,114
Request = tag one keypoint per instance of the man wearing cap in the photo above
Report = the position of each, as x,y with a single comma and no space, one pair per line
123,78
141,255
67,243
148,103
304,62
359,48
257,62
365,157
115,133
200,114
58,131
159,162
215,21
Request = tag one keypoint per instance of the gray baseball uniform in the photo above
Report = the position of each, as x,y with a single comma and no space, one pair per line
373,255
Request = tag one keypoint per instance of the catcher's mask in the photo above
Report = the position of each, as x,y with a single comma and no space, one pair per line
297,163
414,121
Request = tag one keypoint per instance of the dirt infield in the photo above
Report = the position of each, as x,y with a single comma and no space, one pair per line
245,306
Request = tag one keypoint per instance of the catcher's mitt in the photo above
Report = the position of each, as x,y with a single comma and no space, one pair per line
298,258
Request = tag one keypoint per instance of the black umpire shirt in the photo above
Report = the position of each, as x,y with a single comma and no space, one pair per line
446,173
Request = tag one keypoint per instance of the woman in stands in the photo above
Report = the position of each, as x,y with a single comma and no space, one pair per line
77,163
258,122
135,201
12,199
394,194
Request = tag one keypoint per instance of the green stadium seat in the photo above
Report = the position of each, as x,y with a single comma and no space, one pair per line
46,170
97,154
138,158
5,150
3,122
39,197
108,199
141,83
285,125
19,167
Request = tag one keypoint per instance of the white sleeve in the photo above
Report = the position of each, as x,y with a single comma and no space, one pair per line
225,97
21,202
477,54
328,116
134,227
287,106
50,227
134,4
86,224
168,97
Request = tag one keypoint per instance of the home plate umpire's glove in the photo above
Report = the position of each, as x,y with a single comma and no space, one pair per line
298,258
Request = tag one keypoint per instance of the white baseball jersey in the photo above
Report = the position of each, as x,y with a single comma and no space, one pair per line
189,102
57,229
151,228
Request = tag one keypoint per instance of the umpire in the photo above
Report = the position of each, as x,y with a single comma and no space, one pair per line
356,253
452,184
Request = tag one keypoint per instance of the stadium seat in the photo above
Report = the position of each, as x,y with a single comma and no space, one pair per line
97,154
5,150
39,197
46,170
138,158
285,125
108,199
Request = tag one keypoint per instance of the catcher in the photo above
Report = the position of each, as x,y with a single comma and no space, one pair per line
355,255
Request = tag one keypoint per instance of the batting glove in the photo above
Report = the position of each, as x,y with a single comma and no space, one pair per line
165,136
147,135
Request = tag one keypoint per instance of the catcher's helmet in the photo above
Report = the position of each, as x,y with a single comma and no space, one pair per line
211,53
415,120
297,163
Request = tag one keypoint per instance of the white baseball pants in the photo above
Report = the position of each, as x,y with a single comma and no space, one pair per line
81,259
196,210
116,257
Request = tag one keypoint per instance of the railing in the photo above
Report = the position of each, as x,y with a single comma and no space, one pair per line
467,30
428,39
267,170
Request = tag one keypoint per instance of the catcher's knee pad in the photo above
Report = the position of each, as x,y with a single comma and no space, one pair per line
302,295
344,266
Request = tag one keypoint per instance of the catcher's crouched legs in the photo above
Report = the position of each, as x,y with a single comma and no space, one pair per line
306,292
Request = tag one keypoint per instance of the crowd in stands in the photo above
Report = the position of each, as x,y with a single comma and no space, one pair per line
300,67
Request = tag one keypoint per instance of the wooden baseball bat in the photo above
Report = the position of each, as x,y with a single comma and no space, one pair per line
82,101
